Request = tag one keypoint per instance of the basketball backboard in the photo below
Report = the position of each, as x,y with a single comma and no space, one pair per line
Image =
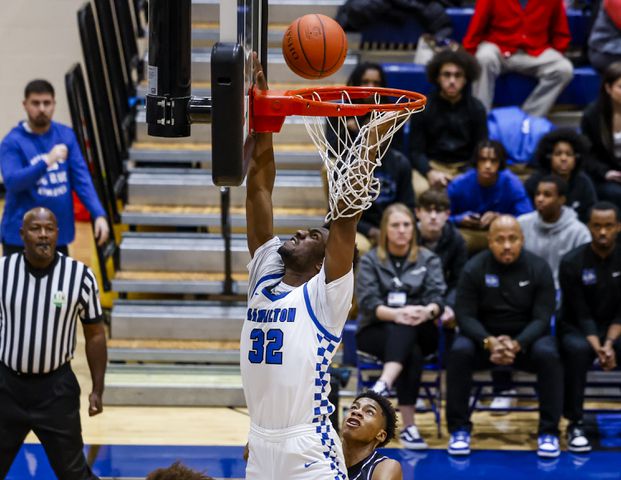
243,30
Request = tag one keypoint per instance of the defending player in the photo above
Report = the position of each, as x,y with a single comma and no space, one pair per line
299,294
369,425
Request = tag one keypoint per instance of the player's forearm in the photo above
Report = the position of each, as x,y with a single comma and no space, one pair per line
614,331
97,357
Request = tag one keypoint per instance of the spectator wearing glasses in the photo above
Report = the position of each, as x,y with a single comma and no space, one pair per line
444,136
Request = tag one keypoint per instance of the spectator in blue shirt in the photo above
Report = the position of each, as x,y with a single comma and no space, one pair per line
485,192
41,166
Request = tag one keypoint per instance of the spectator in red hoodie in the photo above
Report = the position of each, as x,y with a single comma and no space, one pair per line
525,36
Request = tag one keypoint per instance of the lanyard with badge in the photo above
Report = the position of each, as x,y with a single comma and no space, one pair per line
396,296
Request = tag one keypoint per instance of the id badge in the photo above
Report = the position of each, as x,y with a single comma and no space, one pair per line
397,299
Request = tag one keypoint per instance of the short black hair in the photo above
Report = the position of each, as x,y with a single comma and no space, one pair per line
38,86
579,143
177,471
461,58
562,187
390,416
604,205
499,149
434,197
355,79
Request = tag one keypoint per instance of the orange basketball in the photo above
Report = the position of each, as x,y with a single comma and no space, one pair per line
314,46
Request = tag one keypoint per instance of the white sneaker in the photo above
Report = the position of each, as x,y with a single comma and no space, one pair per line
421,405
410,438
501,405
381,388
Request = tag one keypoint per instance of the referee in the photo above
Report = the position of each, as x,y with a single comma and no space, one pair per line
42,295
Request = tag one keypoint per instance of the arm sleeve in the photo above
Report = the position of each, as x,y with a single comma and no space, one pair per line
458,211
92,311
559,28
521,202
81,180
480,122
434,286
16,177
405,190
592,164
478,25
573,299
331,302
368,292
418,146
544,302
466,308
457,265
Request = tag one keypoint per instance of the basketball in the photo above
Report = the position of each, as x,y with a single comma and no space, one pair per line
314,46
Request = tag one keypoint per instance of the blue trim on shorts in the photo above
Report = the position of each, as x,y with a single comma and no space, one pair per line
319,326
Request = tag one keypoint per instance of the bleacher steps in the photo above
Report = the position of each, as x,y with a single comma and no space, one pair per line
280,11
285,220
178,283
177,320
293,132
286,156
167,186
180,252
178,385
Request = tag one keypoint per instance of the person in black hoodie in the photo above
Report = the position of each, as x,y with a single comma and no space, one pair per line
601,124
437,234
562,152
443,138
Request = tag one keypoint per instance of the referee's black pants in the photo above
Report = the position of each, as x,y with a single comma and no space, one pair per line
541,358
48,405
578,356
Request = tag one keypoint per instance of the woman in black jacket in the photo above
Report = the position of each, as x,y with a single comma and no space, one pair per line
562,152
601,123
400,289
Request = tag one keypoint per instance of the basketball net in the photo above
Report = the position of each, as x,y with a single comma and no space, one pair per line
361,144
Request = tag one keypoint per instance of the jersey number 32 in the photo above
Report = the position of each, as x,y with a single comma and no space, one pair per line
266,346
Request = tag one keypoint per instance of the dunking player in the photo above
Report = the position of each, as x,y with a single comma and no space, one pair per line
299,294
369,425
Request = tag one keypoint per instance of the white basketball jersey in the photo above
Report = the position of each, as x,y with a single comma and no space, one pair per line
288,340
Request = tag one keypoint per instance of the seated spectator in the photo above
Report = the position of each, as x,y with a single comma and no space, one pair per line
485,192
505,300
524,36
590,278
562,152
394,173
553,229
400,292
605,38
437,234
176,471
370,424
601,125
443,137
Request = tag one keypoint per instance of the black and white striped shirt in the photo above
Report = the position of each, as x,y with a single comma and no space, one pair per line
39,311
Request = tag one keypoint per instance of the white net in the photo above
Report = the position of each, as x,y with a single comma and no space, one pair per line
356,147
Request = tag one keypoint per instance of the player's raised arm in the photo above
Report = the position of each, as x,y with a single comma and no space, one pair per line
260,181
342,238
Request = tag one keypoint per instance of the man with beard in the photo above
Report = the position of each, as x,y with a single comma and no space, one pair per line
42,165
590,278
43,295
370,424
